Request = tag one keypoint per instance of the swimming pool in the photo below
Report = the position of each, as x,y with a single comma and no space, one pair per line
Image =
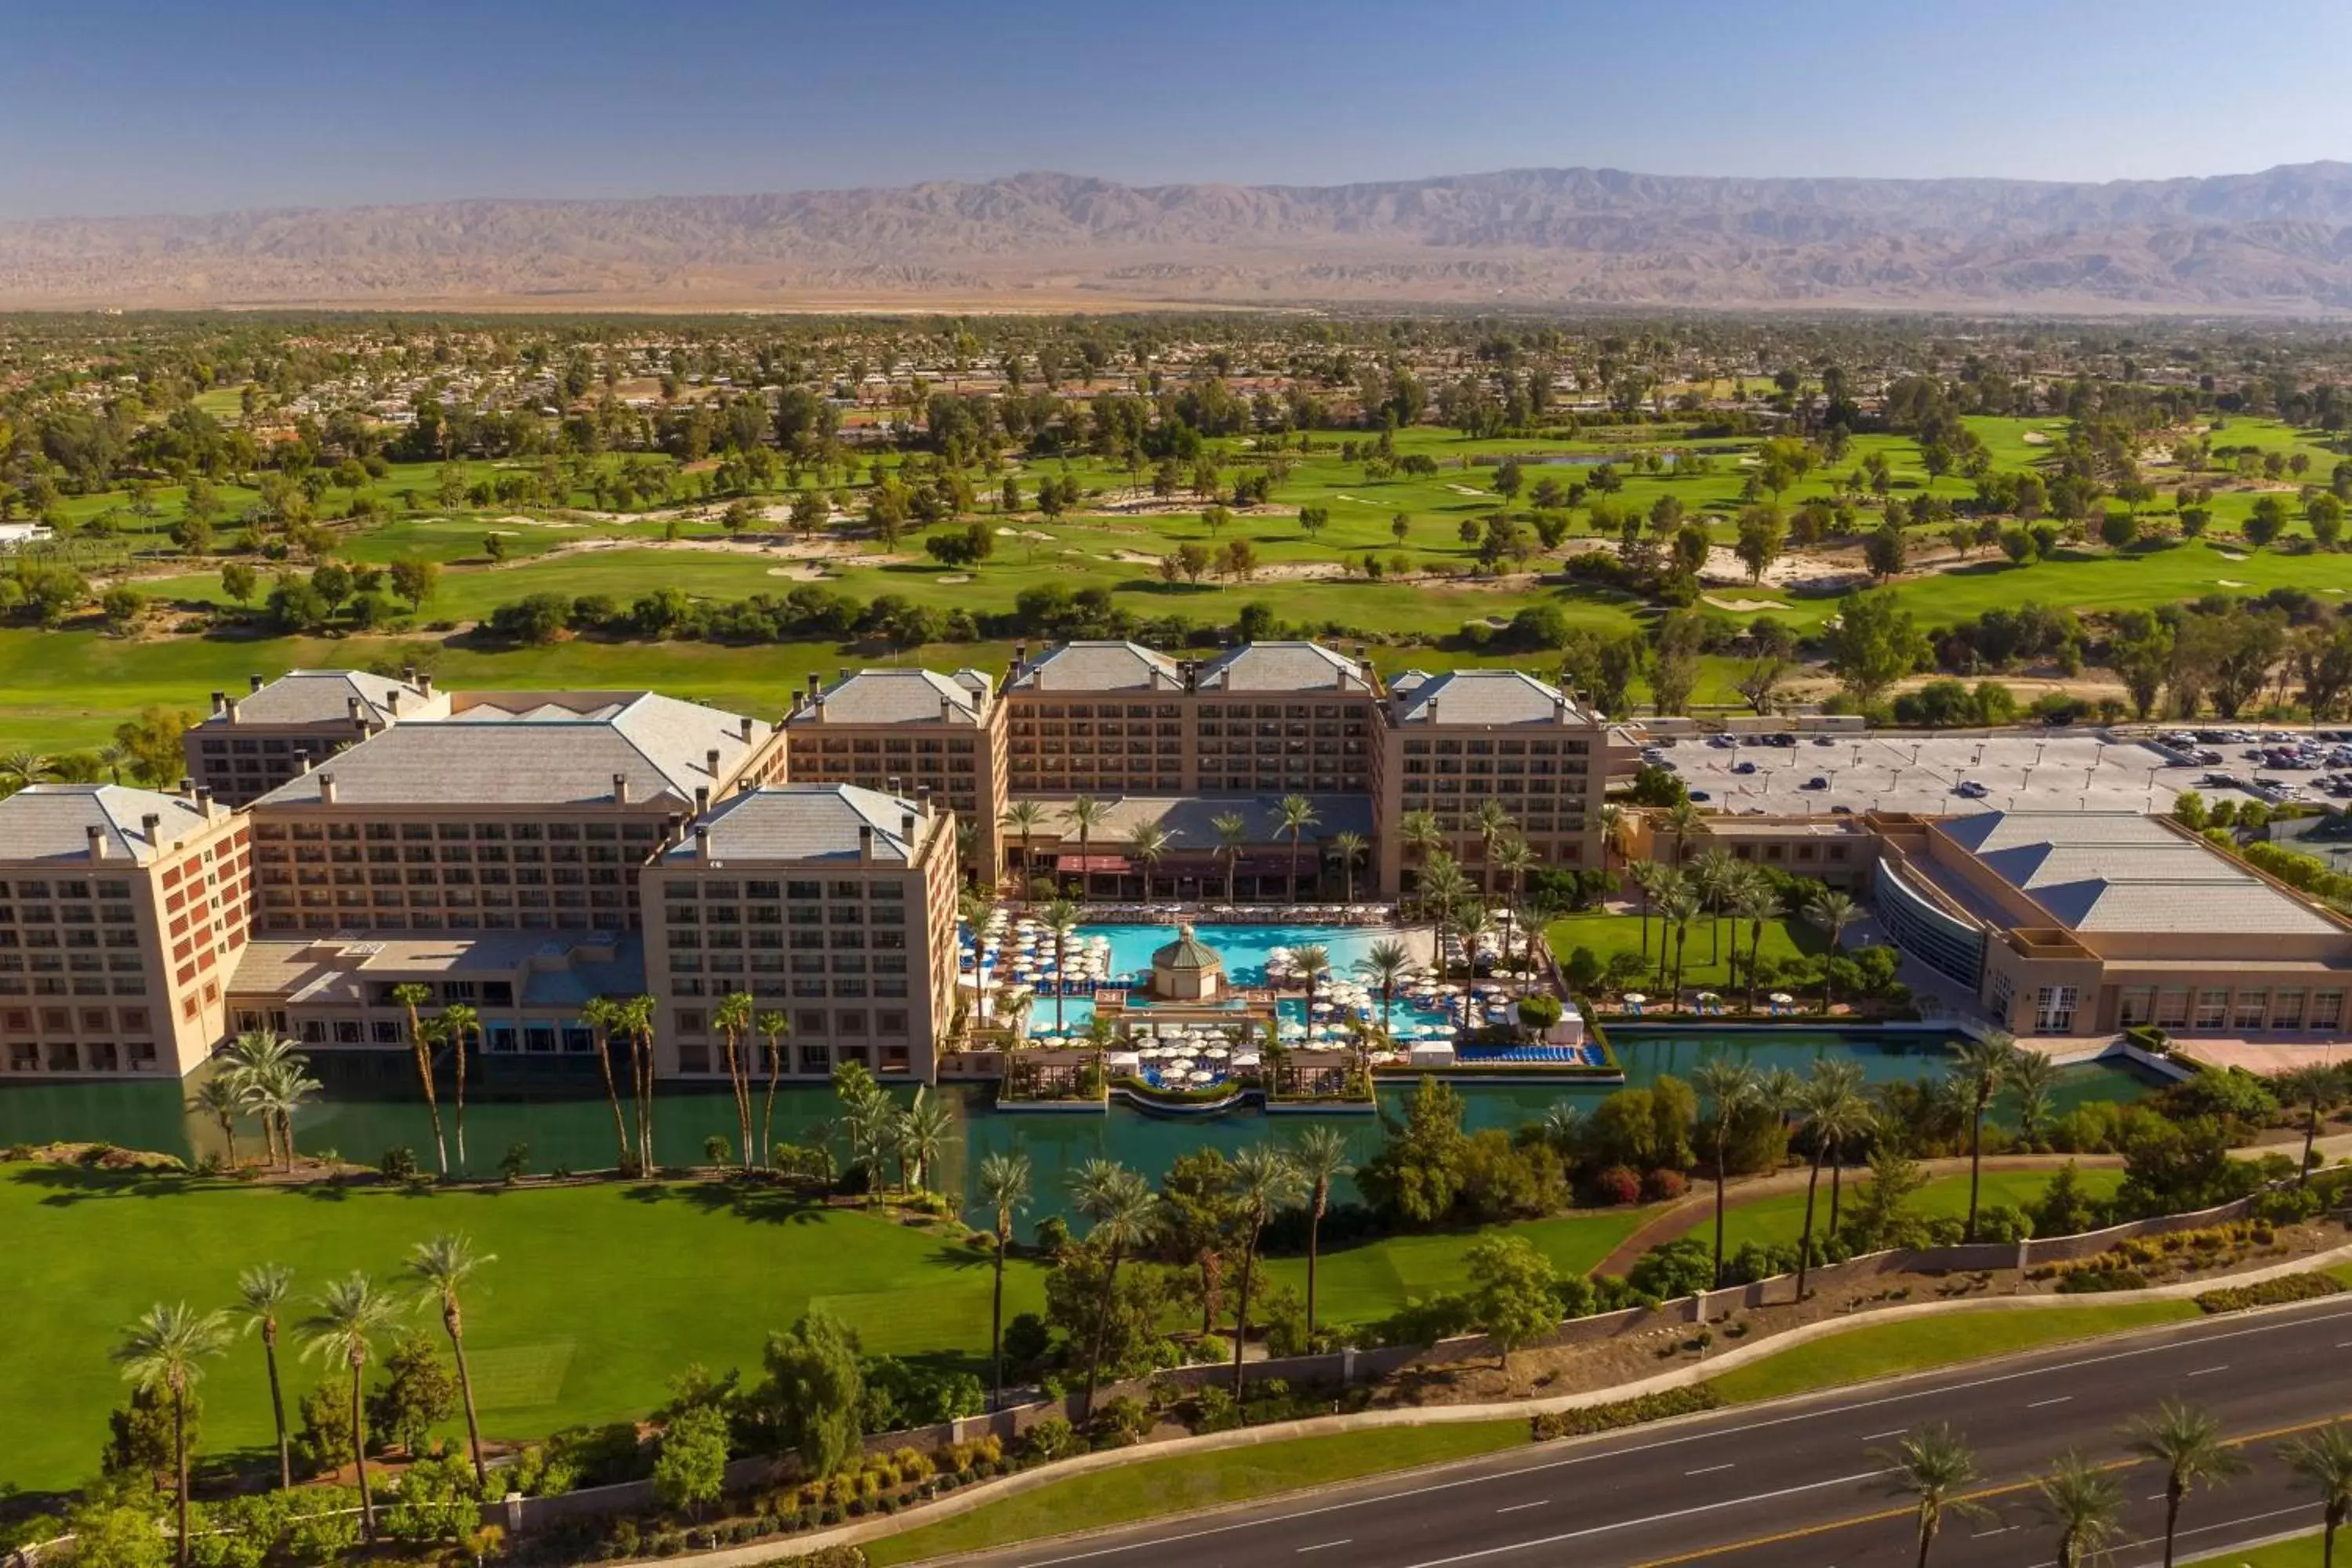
1246,949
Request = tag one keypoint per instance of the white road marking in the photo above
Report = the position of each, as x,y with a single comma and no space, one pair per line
2203,1371
1519,1506
1706,1470
1652,1519
1890,1432
1986,1534
1321,1544
2044,1404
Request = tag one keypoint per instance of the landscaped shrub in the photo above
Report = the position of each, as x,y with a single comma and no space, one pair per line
1619,1413
1121,1423
1052,1438
1662,1185
2271,1292
1682,1267
1617,1184
2106,1277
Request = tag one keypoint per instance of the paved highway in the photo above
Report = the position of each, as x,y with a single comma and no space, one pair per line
1798,1484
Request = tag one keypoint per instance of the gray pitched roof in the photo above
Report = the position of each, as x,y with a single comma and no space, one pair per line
2120,871
320,696
1283,667
1479,697
1078,667
895,697
658,743
803,822
52,822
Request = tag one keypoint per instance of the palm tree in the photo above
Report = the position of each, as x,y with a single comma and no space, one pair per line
1085,813
2319,1089
2188,1442
1730,1087
1318,1158
1233,834
1004,1180
1494,823
1612,829
261,1290
1934,1466
412,995
1024,817
1832,912
1444,890
1147,842
2085,1504
1297,814
1979,1070
1646,877
274,1082
1755,901
1313,963
1347,848
1859,1123
1714,875
637,1022
1384,964
1418,831
773,1027
352,1316
438,1267
1686,823
1836,1113
459,1020
602,1015
163,1353
1061,919
2032,1078
21,768
1513,857
1677,907
1264,1181
732,1018
1121,1203
922,1133
220,1098
2323,1461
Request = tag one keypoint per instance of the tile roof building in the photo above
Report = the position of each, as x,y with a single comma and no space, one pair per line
2087,922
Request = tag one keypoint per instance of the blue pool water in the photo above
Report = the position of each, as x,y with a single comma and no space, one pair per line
1245,949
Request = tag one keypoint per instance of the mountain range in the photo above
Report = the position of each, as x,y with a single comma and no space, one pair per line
2278,242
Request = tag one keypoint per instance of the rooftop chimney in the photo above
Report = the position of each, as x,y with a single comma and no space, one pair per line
947,710
392,701
425,684
100,848
907,827
204,800
326,789
353,707
151,827
701,799
408,673
701,842
187,784
220,701
710,761
302,759
890,784
620,789
747,728
865,841
253,682
817,704
229,708
814,685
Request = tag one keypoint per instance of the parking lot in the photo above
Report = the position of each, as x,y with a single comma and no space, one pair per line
1938,773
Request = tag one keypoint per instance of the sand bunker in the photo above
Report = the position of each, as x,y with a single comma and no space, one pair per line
2229,581
800,573
1743,606
954,577
1023,533
2034,438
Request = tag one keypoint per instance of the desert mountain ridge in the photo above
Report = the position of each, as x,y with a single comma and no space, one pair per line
2278,242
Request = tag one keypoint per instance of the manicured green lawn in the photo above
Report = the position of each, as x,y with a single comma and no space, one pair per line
599,1294
1780,1220
1364,1284
1705,962
1919,1345
1157,1488
2301,1552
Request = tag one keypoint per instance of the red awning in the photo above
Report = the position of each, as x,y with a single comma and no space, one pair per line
1108,864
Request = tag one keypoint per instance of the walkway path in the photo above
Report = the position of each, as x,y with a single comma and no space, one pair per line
1688,1214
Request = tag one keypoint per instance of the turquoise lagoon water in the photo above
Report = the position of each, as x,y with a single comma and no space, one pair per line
560,1112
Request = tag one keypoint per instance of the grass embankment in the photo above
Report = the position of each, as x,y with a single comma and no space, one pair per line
1155,1489
599,1294
1707,963
2299,1552
1363,1284
1779,1220
1923,1344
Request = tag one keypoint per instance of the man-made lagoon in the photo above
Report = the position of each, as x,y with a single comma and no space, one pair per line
559,1108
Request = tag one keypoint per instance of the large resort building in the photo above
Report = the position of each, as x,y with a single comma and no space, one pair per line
341,835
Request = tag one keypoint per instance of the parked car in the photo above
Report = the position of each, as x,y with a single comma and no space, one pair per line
1700,794
1743,767
1970,789
1816,782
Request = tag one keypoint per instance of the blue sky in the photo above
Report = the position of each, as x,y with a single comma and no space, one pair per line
125,106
